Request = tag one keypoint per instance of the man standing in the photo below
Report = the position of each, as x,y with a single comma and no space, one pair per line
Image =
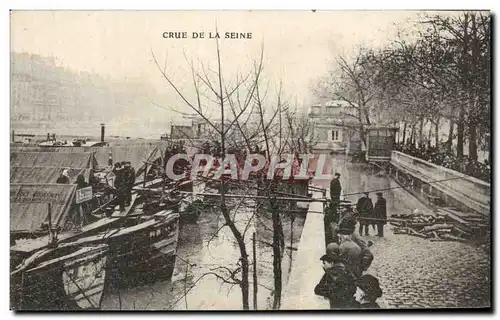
120,185
64,177
364,208
82,208
335,188
380,213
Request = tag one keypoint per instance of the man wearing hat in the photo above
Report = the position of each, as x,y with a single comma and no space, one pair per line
335,188
367,292
337,283
365,209
120,185
129,174
380,213
64,177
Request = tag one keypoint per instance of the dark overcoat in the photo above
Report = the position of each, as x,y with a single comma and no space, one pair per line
335,189
380,211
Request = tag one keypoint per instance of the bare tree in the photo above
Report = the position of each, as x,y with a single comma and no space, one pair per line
220,93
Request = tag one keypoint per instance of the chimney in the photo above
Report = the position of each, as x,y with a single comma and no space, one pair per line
102,132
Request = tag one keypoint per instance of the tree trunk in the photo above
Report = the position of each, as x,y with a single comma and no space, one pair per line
429,136
464,74
225,212
277,234
421,134
476,55
436,132
412,135
243,256
366,114
472,141
449,143
255,284
460,132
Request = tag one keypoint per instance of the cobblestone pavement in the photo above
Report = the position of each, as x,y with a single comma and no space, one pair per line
418,273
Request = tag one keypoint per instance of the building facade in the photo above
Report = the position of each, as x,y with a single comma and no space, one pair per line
47,97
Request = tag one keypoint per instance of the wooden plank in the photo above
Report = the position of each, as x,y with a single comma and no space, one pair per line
462,214
415,233
398,220
453,216
449,236
436,227
441,240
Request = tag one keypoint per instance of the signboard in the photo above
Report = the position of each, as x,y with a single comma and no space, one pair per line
110,179
83,194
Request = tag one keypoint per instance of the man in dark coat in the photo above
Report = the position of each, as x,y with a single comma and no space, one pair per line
330,221
365,211
120,185
380,213
337,283
335,188
82,208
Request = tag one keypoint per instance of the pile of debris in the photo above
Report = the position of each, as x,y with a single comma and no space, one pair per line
445,224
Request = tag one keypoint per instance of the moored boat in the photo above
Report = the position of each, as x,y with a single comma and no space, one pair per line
62,278
141,248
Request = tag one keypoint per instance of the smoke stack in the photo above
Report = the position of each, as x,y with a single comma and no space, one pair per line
102,132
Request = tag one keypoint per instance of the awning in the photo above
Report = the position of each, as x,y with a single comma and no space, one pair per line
29,205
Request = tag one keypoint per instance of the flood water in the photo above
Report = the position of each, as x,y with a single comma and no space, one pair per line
208,248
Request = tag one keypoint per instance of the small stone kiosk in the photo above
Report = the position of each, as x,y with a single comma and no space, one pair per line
380,143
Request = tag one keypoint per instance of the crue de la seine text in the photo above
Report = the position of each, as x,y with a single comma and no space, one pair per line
206,35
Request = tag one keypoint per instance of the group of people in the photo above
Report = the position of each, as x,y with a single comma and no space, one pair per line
366,213
439,156
124,182
79,210
376,216
345,262
347,256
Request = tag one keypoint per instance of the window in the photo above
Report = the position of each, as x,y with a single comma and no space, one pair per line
333,110
335,135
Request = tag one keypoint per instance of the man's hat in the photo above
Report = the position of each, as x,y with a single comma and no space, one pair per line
337,174
379,194
370,285
366,192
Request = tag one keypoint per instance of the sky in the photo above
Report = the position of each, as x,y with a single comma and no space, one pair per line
299,46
